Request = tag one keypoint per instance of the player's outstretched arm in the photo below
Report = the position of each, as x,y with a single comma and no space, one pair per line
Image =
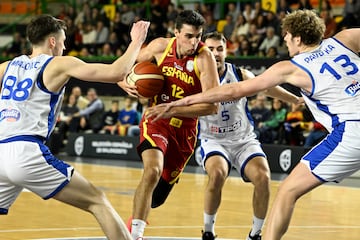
62,68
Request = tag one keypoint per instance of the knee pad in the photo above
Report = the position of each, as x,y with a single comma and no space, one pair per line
161,192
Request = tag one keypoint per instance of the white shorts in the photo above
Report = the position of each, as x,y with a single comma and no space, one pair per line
236,152
29,164
338,155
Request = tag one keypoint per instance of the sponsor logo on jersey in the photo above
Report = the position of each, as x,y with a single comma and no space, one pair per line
353,88
190,65
231,128
11,115
179,74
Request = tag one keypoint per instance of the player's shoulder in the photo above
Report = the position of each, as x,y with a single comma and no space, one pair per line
159,43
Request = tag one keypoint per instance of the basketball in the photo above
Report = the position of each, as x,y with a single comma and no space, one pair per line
147,77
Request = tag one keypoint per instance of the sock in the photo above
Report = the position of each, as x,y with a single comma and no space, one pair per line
209,223
257,226
137,228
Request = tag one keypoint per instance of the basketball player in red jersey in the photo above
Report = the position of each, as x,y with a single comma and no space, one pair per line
166,145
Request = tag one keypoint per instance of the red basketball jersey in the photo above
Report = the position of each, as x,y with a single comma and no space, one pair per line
181,75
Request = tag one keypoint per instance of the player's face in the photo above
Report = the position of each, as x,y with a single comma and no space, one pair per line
187,40
218,48
291,44
59,44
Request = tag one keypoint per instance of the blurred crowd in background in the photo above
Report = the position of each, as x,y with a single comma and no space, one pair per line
94,31
101,28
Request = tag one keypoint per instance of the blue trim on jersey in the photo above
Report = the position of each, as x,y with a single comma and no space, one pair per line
59,165
3,211
321,151
53,99
39,80
51,118
310,75
242,170
27,138
334,118
215,153
221,78
7,67
238,78
248,114
340,43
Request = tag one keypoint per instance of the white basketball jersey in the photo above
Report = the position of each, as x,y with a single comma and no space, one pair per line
334,71
26,107
233,120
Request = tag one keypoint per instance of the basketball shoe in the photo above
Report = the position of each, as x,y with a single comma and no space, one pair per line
257,236
208,236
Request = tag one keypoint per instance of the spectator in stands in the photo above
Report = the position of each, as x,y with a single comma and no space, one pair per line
316,133
210,25
272,20
305,4
81,102
351,14
66,122
142,105
295,125
127,117
102,33
229,26
121,29
127,15
15,48
283,6
259,111
255,37
88,34
269,130
271,40
91,117
84,15
84,53
110,118
241,27
171,13
272,52
245,48
330,23
106,50
249,12
260,22
258,10
113,42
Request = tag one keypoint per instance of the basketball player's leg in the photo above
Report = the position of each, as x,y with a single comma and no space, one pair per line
258,172
82,194
153,164
217,169
299,182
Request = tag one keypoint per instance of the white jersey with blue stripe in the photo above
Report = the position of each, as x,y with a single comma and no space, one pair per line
27,108
233,120
335,75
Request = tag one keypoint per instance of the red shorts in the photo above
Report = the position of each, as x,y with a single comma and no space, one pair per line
176,138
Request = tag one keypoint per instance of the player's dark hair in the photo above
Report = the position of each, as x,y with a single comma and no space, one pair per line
214,35
42,26
189,17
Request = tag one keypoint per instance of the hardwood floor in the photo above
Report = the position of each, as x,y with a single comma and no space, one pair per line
328,213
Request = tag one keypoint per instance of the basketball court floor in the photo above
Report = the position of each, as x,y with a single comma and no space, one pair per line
330,212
